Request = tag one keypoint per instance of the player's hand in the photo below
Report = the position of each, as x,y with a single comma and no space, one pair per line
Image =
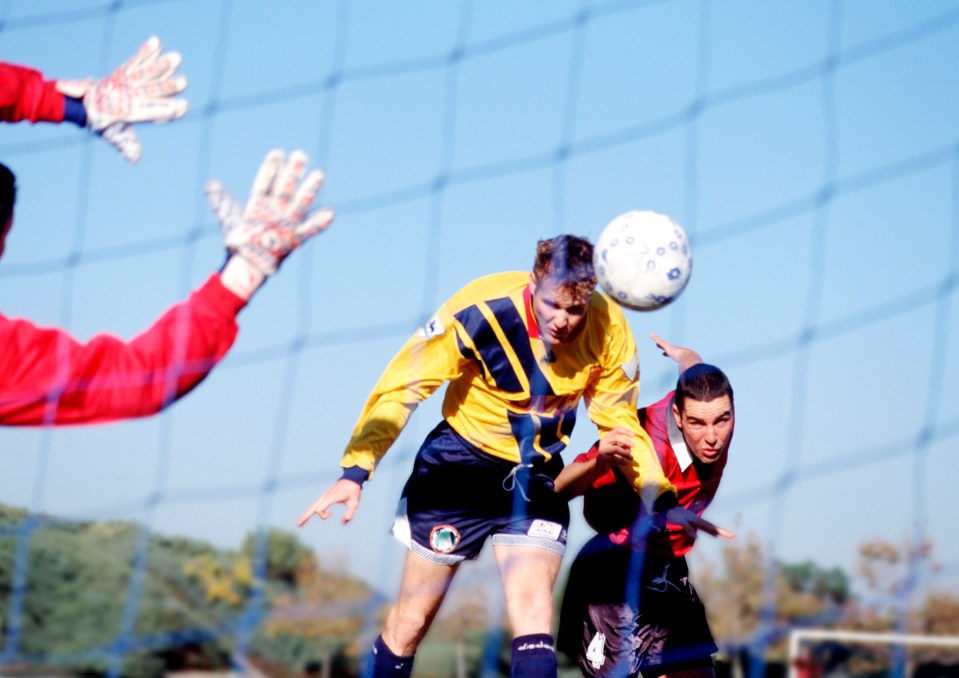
686,357
141,90
614,449
276,220
692,523
344,492
277,217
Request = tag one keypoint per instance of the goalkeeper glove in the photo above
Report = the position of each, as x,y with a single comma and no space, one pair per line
141,90
276,220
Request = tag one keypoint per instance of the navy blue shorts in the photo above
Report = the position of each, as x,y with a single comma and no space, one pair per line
626,612
457,496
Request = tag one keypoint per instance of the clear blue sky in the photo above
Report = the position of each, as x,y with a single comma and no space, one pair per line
810,149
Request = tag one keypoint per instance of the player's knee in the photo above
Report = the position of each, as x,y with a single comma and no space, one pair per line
405,628
532,613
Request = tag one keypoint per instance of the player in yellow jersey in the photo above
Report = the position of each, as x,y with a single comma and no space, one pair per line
519,350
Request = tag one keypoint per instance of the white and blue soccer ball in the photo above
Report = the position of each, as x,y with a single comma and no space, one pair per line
643,260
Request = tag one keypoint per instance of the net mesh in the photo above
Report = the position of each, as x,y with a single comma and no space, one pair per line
811,154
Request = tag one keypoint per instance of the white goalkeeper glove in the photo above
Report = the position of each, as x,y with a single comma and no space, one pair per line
276,220
141,90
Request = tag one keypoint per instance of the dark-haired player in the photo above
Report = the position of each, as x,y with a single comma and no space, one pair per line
629,606
519,351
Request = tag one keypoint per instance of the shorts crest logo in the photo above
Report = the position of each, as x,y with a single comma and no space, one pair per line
444,538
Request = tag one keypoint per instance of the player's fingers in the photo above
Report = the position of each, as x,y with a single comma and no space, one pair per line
713,529
351,507
726,534
167,65
305,195
287,179
160,87
148,52
156,110
318,509
305,517
225,207
124,139
264,179
318,222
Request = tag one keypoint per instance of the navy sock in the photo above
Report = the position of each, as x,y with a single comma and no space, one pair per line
382,663
533,656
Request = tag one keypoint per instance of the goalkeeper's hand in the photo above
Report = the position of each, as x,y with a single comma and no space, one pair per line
141,90
276,220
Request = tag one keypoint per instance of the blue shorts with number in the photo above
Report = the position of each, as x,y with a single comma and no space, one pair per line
457,496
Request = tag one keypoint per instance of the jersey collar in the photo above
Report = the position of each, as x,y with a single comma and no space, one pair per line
676,440
532,327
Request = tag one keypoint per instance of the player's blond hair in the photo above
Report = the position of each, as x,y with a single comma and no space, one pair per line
567,260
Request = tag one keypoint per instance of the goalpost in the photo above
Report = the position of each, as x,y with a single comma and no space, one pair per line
797,636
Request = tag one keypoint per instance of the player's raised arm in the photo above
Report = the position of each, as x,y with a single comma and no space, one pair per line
52,378
276,220
684,357
141,90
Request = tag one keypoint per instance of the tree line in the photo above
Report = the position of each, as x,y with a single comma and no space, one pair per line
85,598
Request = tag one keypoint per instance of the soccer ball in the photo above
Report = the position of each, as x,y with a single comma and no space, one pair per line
643,260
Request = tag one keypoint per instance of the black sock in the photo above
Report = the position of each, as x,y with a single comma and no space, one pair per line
382,663
533,656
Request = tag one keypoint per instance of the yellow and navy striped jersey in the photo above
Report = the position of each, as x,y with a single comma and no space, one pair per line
510,394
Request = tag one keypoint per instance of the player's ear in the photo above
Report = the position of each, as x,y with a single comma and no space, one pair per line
532,283
676,415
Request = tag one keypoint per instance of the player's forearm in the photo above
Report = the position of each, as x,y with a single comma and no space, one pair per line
576,478
54,379
646,474
377,429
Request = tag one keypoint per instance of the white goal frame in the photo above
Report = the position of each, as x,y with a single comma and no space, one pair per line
797,636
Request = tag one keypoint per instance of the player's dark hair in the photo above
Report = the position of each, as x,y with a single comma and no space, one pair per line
8,193
568,260
702,382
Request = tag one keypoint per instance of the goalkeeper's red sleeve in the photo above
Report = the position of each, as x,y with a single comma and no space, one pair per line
25,95
48,377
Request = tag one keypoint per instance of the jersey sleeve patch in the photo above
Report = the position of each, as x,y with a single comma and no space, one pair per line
433,328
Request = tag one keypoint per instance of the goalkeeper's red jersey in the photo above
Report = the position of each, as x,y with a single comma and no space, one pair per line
25,95
48,377
696,484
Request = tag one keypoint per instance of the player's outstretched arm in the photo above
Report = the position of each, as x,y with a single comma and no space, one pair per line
343,491
692,523
685,357
277,219
141,90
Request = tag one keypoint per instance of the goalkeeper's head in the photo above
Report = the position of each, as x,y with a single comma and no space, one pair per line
8,194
